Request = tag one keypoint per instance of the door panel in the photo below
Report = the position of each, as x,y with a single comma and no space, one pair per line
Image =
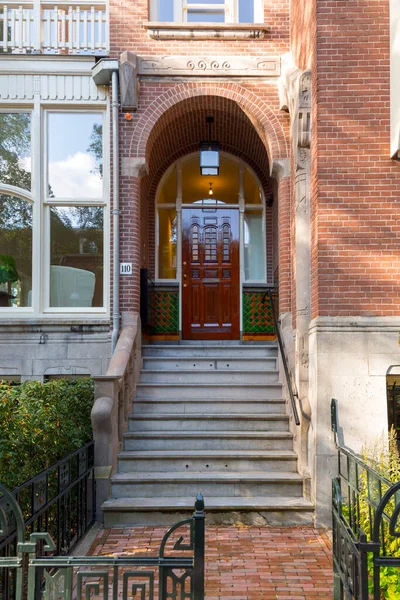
210,269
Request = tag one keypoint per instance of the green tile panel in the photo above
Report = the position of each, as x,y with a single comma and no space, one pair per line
165,309
257,314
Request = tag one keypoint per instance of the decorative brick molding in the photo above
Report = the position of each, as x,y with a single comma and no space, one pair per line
260,114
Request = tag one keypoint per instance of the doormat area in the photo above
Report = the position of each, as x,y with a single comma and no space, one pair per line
245,563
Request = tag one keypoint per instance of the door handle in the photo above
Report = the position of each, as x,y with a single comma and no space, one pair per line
185,276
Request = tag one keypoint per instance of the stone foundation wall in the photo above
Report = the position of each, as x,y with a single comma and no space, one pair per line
36,351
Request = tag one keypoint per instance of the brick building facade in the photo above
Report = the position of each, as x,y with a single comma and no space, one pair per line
304,98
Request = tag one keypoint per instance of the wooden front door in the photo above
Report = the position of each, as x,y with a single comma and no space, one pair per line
210,274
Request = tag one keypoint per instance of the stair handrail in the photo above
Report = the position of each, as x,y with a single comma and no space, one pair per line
113,394
291,384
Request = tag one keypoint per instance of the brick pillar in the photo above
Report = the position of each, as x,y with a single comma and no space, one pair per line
130,239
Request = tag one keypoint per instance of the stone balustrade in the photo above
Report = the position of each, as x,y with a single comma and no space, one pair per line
114,392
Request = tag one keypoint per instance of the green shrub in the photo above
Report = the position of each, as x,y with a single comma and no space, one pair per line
384,459
40,423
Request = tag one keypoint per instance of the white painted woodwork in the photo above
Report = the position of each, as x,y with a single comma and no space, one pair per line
394,78
50,87
181,8
76,28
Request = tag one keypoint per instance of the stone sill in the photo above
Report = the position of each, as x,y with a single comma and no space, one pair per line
206,31
34,325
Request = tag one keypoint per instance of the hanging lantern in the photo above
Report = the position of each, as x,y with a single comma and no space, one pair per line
209,154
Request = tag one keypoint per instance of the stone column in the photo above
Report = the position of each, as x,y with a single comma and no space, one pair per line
133,169
302,164
296,97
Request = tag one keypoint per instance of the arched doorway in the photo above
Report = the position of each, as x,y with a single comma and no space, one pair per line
211,241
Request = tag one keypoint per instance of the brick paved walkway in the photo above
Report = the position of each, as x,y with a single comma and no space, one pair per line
245,563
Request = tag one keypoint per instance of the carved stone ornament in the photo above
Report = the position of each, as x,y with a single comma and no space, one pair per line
217,66
133,167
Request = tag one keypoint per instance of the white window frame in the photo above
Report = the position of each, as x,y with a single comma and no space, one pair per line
41,211
71,202
181,7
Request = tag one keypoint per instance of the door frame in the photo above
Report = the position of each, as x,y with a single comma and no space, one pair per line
235,333
242,206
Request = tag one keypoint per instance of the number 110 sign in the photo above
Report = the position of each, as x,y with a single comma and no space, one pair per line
125,268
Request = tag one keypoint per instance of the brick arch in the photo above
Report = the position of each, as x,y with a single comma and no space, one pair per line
258,112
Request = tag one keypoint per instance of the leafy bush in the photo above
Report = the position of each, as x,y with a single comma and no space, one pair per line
40,423
385,460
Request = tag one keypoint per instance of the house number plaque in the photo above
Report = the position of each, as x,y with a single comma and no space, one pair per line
125,268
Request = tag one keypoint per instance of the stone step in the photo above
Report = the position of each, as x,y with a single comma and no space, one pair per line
208,405
205,440
184,483
274,511
200,376
199,350
183,363
205,422
206,461
206,390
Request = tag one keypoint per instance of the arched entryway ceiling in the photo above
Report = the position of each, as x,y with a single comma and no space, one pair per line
181,128
265,121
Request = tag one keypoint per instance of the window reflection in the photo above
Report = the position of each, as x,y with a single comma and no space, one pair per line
75,155
15,252
167,227
76,256
254,253
15,149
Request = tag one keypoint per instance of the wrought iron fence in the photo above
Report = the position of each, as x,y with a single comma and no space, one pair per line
366,528
176,573
60,500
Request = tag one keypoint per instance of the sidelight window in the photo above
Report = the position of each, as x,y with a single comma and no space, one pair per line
208,11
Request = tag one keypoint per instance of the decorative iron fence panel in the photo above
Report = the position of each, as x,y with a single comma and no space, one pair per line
60,500
176,573
365,527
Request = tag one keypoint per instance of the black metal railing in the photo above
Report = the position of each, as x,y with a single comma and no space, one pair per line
175,573
366,529
60,500
291,385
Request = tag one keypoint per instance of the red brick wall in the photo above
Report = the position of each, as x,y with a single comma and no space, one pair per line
127,33
356,259
302,26
247,121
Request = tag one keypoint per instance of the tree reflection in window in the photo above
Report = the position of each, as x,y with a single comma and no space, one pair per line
15,252
15,149
76,255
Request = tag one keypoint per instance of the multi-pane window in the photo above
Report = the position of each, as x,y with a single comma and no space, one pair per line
52,212
208,11
236,186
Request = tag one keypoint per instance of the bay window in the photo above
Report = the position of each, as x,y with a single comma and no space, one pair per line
207,11
53,212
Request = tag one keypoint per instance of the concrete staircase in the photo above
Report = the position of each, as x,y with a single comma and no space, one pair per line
211,419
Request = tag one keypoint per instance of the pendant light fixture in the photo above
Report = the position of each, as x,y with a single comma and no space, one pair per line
209,153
